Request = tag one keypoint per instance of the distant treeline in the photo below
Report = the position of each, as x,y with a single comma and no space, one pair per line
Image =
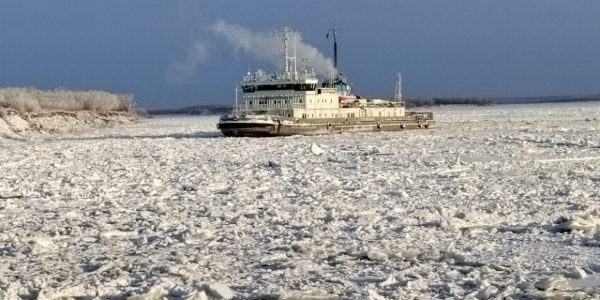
218,109
214,109
550,99
419,102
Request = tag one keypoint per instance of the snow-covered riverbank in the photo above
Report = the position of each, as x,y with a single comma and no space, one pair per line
482,207
18,125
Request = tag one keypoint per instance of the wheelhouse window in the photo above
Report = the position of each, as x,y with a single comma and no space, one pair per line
276,87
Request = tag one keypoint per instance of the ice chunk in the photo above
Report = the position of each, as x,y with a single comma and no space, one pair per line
71,215
69,293
311,296
221,291
315,149
409,255
44,243
117,233
195,296
274,259
372,295
375,255
432,255
587,221
389,281
576,273
156,293
487,292
552,283
449,226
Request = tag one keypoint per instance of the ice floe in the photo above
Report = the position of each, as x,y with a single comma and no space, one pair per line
498,202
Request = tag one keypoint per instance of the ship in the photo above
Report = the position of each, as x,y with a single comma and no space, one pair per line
292,102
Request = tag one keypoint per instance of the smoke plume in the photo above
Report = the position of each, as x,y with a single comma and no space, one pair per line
270,47
180,71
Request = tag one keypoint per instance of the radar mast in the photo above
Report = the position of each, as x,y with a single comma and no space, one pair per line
284,34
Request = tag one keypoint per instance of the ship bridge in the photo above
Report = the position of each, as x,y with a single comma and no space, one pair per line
288,81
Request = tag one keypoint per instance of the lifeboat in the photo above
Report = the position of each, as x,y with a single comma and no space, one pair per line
347,99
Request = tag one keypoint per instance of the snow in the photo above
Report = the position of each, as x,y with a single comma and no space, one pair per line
221,291
497,202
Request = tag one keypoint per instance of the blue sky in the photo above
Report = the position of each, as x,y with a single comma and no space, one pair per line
444,48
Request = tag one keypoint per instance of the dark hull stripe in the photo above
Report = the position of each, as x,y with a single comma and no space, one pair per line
266,130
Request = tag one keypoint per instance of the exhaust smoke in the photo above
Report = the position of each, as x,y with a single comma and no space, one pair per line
269,47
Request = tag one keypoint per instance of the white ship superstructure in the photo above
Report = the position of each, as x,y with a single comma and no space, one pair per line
297,95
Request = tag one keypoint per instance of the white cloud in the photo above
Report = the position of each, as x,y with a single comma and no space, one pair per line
261,45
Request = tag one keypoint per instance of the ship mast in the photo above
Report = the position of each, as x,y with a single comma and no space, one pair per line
284,34
334,46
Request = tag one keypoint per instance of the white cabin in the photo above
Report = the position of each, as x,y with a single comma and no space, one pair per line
297,95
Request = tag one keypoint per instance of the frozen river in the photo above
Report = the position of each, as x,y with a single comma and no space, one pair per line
497,201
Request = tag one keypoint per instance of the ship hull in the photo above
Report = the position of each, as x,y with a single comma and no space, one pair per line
279,128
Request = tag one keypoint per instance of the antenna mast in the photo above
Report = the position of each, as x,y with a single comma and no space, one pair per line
284,34
398,97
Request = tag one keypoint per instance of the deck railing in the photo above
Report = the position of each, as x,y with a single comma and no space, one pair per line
266,107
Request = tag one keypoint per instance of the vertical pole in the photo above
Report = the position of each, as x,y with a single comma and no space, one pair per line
285,57
335,47
400,88
236,101
295,69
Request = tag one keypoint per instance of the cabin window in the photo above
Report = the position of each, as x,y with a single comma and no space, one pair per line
310,101
250,102
289,115
330,100
312,115
319,115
